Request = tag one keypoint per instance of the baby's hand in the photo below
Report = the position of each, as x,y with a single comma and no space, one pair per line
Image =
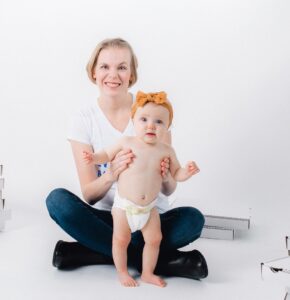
192,168
88,157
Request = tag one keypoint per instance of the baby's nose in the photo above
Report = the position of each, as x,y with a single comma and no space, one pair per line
151,125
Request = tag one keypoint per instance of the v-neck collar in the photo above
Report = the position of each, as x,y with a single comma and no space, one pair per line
106,120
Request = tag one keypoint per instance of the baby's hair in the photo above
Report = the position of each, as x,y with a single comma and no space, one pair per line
159,98
112,43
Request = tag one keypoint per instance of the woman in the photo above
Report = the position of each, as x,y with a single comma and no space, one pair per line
113,68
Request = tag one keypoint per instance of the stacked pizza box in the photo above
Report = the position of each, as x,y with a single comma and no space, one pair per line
222,227
4,213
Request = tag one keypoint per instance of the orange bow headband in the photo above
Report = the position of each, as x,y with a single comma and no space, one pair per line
157,98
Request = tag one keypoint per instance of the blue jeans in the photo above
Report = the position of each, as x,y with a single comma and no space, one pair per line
93,227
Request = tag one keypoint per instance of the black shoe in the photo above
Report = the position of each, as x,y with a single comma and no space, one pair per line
70,255
190,264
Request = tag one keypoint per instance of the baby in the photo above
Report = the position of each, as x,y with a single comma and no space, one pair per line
138,186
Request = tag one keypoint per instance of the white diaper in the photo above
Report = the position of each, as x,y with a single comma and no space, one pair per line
137,215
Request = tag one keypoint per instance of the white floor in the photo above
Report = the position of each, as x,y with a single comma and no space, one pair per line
26,272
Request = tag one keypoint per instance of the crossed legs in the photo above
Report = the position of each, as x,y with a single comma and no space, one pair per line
93,229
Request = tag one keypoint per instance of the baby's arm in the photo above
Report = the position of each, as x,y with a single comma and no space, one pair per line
179,173
104,155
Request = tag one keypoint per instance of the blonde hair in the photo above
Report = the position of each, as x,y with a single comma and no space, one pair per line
107,43
159,98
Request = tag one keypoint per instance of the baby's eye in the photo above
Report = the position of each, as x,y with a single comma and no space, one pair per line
143,119
159,121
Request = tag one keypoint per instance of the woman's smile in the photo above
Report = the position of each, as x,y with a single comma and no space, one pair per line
112,84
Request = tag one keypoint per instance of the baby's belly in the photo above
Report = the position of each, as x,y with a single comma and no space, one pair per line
141,187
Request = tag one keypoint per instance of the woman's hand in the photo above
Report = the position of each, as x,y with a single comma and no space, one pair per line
120,163
165,169
168,183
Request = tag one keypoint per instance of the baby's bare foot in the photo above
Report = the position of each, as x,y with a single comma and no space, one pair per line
151,278
127,280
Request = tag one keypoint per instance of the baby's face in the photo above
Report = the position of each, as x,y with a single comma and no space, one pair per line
151,122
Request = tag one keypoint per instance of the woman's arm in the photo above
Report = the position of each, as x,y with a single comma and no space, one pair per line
94,188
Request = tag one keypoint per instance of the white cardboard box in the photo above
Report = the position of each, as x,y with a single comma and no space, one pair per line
1,183
277,270
4,216
227,222
212,232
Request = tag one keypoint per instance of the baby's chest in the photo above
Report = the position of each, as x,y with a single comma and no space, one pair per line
149,158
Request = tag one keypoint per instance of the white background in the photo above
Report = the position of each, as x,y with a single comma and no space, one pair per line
224,64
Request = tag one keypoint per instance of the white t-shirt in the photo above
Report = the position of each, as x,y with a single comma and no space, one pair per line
90,126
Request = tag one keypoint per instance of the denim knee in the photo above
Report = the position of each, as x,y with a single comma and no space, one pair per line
193,220
54,201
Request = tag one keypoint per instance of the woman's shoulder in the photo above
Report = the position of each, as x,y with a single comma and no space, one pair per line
85,115
81,124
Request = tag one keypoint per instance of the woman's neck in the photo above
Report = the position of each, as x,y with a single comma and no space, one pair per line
114,104
117,110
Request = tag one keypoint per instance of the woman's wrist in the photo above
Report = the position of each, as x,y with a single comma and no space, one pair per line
97,189
108,178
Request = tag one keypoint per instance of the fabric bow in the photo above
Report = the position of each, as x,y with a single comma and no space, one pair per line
158,98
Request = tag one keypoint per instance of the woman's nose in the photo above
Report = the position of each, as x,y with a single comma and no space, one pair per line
113,73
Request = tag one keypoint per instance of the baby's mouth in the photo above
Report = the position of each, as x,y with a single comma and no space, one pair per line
150,134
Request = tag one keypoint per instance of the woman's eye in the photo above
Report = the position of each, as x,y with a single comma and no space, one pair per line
104,67
123,68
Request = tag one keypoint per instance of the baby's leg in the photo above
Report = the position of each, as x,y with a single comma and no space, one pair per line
121,239
152,237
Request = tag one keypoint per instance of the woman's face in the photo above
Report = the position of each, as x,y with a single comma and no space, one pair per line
112,71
